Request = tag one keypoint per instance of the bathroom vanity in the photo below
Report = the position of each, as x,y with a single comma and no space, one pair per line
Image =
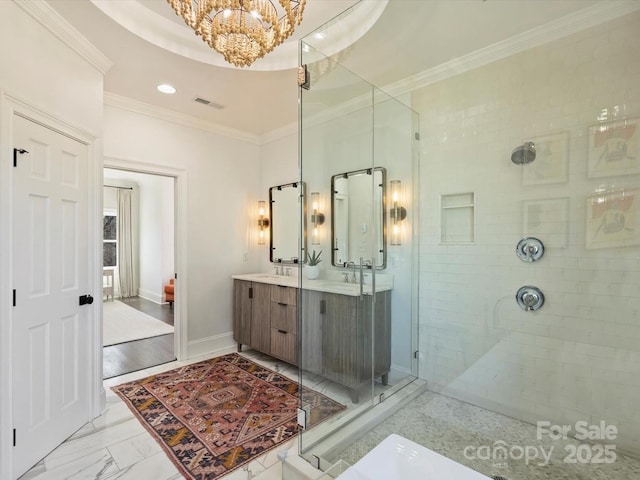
340,324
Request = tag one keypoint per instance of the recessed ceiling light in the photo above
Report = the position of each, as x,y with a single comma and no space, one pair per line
166,88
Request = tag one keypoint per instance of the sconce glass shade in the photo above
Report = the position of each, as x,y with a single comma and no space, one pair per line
397,212
263,222
317,218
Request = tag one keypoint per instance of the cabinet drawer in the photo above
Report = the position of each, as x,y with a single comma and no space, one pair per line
284,317
284,345
286,295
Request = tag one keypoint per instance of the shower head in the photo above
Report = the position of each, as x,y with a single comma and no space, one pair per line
525,153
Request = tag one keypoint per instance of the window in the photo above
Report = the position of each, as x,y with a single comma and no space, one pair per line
110,242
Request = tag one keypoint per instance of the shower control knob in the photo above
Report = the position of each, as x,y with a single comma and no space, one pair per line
530,298
529,249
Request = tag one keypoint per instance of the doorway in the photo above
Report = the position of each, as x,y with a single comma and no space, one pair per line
139,269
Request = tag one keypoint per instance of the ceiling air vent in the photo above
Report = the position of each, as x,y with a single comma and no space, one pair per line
209,103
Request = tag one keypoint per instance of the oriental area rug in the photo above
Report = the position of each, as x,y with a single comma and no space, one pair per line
214,416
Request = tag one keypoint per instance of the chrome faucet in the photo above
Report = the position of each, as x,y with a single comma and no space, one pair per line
353,275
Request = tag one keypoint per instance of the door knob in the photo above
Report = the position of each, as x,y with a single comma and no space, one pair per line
85,299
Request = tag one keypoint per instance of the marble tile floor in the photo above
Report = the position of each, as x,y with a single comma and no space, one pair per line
448,426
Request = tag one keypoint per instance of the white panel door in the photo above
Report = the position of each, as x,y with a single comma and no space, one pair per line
51,363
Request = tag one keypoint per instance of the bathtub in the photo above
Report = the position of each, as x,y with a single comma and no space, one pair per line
397,458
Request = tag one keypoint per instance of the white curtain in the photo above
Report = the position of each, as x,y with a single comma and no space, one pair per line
128,283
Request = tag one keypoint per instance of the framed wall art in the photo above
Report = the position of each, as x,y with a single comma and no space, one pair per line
614,148
613,219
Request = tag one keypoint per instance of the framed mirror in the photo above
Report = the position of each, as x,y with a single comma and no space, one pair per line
358,220
286,205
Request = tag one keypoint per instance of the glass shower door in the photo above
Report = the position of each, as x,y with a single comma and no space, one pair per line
358,320
336,314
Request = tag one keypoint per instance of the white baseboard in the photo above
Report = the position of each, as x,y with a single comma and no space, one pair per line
214,345
150,295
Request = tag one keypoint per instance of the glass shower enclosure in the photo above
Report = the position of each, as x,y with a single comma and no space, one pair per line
529,279
358,318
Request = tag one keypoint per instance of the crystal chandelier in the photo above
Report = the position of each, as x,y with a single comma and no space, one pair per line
241,30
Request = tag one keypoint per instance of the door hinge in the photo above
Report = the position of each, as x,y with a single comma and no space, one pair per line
175,275
14,437
304,78
416,354
14,297
17,151
250,292
302,416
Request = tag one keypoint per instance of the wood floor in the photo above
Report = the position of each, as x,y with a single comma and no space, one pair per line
140,354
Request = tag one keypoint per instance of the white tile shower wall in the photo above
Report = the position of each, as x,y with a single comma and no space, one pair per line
578,358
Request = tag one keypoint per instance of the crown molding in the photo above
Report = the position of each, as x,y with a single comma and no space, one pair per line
165,114
554,30
44,14
278,133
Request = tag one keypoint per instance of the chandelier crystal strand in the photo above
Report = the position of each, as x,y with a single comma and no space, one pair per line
241,30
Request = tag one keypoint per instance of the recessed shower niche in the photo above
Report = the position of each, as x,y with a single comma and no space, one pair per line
457,218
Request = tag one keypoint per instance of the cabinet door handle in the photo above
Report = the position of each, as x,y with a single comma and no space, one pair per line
282,304
282,331
323,307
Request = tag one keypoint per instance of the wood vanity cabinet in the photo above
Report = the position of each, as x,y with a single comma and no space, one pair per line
265,318
252,315
337,334
284,323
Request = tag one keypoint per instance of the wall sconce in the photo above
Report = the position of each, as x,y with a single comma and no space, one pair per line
397,213
263,222
317,218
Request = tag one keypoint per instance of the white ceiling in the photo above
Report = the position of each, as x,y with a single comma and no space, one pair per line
410,36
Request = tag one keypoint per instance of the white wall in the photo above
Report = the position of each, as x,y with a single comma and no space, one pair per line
278,166
578,357
223,176
156,236
39,69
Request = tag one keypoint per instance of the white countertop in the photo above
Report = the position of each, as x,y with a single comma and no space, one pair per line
384,282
